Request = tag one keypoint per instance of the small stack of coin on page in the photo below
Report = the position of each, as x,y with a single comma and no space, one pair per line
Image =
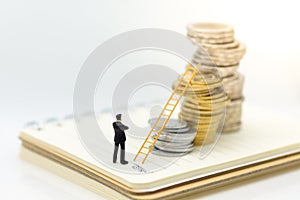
175,140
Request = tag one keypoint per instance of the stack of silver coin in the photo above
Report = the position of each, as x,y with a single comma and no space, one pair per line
175,140
218,49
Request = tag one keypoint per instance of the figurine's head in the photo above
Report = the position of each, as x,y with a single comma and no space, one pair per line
119,116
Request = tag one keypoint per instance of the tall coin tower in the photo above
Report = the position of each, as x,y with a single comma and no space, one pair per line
219,87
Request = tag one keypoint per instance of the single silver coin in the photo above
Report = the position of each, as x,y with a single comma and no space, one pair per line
172,123
174,150
167,154
174,142
177,137
179,130
183,146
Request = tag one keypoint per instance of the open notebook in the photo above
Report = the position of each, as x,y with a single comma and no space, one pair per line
264,143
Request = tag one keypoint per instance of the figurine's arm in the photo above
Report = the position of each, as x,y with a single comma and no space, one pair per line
122,126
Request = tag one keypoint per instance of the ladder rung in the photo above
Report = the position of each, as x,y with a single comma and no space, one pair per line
187,78
160,119
157,131
150,142
171,104
146,147
191,68
189,72
143,153
168,112
168,109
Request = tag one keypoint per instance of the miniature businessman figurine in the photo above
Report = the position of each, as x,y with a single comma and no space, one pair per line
119,139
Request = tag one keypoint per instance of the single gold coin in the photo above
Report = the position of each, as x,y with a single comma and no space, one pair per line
214,63
202,112
214,101
232,127
195,120
199,108
204,105
218,58
210,28
227,71
214,95
212,36
198,41
212,47
204,117
239,50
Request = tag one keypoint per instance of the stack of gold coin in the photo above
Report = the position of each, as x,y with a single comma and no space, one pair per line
219,50
203,107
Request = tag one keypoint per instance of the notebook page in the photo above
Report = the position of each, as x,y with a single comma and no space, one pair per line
258,139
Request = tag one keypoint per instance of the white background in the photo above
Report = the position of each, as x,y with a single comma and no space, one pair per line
44,43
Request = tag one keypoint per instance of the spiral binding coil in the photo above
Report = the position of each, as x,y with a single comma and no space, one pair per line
52,120
55,121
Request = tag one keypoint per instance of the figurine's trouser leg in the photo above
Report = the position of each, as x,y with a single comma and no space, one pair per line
122,158
116,152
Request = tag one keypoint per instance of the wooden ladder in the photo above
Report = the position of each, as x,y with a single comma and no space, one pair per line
184,81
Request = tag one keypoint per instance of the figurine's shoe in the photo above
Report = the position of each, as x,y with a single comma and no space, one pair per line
124,162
